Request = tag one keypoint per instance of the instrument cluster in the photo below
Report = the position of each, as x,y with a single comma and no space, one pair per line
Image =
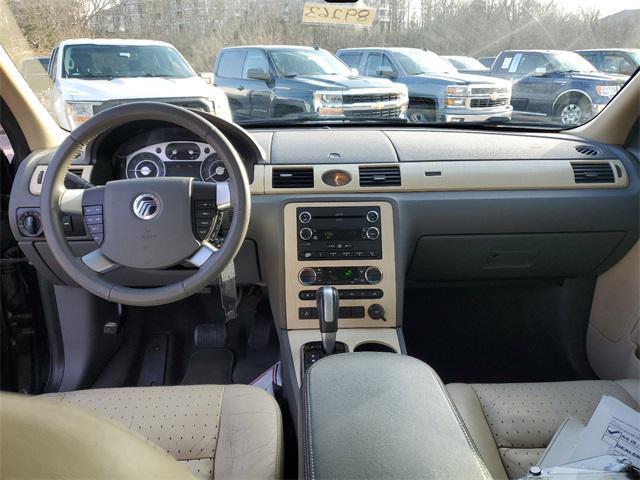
177,159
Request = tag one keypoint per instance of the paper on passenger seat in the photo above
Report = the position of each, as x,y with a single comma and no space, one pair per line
614,429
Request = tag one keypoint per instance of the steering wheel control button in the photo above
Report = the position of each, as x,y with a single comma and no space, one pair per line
205,204
307,276
98,238
306,233
95,228
373,275
146,206
92,210
373,233
304,217
205,213
373,216
93,219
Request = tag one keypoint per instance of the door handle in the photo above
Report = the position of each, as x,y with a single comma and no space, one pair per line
240,88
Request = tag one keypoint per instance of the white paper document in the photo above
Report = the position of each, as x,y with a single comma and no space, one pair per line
614,429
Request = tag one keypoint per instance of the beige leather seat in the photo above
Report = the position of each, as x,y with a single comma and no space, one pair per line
214,431
512,424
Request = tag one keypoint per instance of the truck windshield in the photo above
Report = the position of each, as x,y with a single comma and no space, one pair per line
466,63
90,61
291,63
416,62
571,62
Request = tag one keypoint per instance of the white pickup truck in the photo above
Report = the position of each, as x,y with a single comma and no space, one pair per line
91,75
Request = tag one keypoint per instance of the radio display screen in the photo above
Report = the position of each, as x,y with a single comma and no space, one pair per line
340,235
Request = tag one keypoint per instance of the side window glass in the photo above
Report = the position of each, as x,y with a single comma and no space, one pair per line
256,60
529,63
616,63
374,61
5,145
386,64
351,59
230,65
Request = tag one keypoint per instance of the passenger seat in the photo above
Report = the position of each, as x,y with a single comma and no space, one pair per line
513,423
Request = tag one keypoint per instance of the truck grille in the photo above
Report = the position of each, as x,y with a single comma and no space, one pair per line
382,113
351,98
488,103
489,91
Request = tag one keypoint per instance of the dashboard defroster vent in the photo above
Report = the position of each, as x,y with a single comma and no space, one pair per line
379,176
587,150
292,178
593,172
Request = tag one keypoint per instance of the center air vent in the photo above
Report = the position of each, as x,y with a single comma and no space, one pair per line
379,176
586,150
292,178
593,172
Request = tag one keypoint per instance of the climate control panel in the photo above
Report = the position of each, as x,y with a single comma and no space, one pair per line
362,275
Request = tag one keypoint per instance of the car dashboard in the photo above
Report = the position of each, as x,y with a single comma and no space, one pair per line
374,210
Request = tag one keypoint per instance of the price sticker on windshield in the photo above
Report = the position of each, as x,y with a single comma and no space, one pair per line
319,13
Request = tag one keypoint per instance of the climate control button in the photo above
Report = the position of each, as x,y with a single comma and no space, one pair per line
307,276
372,216
373,275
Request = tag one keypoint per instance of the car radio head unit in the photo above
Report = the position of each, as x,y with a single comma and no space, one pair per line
330,233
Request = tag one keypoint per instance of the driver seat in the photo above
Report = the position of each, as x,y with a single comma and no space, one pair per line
214,431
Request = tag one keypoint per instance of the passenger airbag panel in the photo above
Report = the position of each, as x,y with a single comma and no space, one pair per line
467,257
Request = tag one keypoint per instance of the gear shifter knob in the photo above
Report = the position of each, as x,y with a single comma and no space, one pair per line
328,299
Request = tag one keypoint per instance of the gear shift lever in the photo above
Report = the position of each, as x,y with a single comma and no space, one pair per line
328,299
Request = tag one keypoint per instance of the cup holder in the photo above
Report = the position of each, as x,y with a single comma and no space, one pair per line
374,347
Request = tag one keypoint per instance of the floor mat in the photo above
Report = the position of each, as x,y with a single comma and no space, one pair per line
209,366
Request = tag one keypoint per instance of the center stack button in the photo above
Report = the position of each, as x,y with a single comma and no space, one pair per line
307,276
306,233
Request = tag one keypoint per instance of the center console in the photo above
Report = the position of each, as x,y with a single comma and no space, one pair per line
349,246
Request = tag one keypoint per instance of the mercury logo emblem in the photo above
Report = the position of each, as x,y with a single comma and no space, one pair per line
146,206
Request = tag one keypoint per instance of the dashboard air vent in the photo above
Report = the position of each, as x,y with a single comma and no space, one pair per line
292,178
587,150
379,176
77,171
593,172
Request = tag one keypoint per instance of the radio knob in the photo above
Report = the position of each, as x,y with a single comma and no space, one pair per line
373,275
306,233
307,276
373,233
373,216
304,217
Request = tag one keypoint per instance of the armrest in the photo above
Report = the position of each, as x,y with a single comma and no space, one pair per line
382,415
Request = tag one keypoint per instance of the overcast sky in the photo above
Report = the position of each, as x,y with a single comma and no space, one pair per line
606,7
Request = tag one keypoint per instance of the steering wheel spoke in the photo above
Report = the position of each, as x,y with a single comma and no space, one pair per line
99,263
202,254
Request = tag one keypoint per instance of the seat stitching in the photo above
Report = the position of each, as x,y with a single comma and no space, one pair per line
215,448
477,457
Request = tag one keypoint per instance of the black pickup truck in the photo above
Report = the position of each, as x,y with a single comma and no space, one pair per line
302,82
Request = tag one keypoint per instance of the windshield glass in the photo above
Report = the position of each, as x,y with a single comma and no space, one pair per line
416,62
294,62
115,61
571,62
291,63
466,63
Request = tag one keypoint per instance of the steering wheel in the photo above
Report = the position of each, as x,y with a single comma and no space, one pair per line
151,223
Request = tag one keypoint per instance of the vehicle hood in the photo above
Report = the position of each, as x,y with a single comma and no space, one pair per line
133,88
343,82
598,77
457,78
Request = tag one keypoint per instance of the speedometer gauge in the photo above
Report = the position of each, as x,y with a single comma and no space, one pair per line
145,165
214,170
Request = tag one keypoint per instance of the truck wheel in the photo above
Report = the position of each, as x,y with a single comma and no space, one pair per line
420,115
573,111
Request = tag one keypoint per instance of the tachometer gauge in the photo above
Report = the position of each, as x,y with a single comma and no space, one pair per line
145,165
214,170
